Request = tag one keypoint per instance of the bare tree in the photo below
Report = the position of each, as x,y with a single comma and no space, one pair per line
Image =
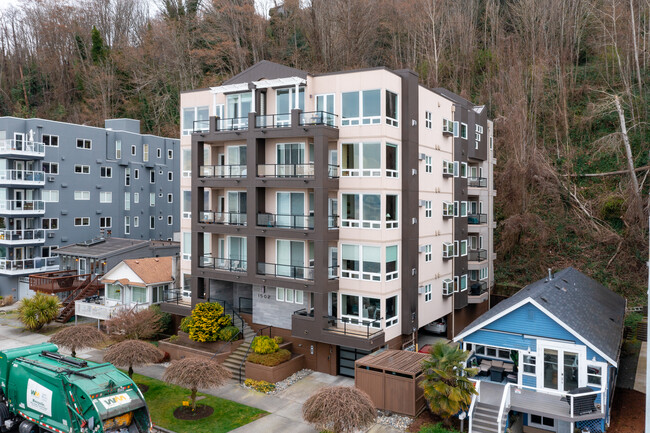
132,353
195,373
135,325
77,337
341,409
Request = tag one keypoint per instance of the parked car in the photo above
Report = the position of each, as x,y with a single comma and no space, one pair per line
438,327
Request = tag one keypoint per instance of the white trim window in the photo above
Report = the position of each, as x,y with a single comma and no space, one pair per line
51,168
361,211
483,273
449,127
50,195
428,209
428,122
428,293
105,222
136,197
82,221
186,162
170,154
187,246
463,170
361,108
106,172
136,221
463,130
145,152
361,310
134,150
127,201
361,159
127,225
190,114
289,295
428,164
106,197
463,248
50,223
81,169
529,364
170,220
448,209
361,262
392,108
82,195
159,152
127,176
170,176
84,143
447,168
428,254
187,203
463,282
392,311
447,250
392,268
594,375
541,422
118,149
136,173
152,199
170,198
447,286
392,211
392,168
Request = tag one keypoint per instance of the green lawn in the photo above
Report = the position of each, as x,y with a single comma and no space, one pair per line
163,399
436,428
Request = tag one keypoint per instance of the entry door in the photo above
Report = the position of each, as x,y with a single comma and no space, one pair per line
82,267
19,197
19,140
561,370
19,225
20,167
236,207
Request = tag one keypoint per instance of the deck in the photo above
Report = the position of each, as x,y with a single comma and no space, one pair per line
535,402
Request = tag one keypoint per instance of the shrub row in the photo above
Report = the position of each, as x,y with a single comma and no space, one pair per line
270,359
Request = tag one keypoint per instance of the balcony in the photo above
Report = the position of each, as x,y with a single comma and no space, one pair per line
332,330
222,264
22,177
28,266
477,219
273,120
286,271
175,303
478,292
477,255
302,222
223,218
22,237
21,148
285,170
100,308
223,171
477,182
266,121
313,118
57,282
22,207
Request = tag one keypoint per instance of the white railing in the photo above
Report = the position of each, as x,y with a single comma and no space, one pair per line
475,398
23,146
22,176
570,397
505,402
27,265
19,206
36,235
102,311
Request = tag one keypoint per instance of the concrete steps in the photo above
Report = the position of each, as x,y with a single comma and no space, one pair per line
234,361
485,419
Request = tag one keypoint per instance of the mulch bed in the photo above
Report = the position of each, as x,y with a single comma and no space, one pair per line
628,412
185,412
426,417
142,387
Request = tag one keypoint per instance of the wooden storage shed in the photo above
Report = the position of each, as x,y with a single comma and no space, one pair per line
391,378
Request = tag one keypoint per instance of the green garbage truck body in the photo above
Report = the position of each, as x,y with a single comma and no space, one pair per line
42,390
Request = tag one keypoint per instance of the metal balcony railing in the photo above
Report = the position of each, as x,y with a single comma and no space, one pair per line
353,327
35,264
223,171
225,218
20,206
318,118
303,222
477,182
286,271
222,264
22,235
22,176
273,120
285,170
477,255
26,147
175,296
232,124
304,312
476,219
477,288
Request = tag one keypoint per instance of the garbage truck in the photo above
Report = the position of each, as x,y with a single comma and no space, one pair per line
42,390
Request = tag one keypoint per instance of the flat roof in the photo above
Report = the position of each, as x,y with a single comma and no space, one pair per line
102,248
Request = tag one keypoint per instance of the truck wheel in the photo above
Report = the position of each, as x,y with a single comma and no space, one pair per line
28,427
4,414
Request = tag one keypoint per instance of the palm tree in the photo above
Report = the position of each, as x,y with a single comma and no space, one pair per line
446,386
195,373
341,409
39,310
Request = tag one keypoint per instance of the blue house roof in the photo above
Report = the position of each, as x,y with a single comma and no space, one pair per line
586,308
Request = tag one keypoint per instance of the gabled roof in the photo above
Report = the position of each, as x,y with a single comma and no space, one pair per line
267,70
151,270
583,306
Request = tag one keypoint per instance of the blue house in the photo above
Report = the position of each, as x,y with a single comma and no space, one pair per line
547,357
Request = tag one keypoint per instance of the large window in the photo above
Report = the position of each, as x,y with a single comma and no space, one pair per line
392,315
391,161
361,210
51,140
187,204
105,222
361,159
285,101
84,144
138,294
392,108
392,271
105,172
186,156
187,246
82,195
392,220
361,108
51,167
361,262
50,196
50,223
190,114
237,108
114,292
361,310
82,221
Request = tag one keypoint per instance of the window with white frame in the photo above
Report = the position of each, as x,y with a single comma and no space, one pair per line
136,221
190,114
392,311
361,262
361,310
50,195
289,295
51,167
85,144
483,273
456,284
428,293
428,123
463,130
447,168
450,127
133,150
392,108
81,169
448,209
127,176
159,152
82,195
136,173
152,199
127,225
186,158
136,197
170,176
594,374
447,286
127,201
187,204
51,140
392,212
361,108
463,282
187,246
105,172
529,364
541,421
392,170
50,223
170,220
428,209
82,221
105,222
492,352
361,159
428,164
47,251
170,154
428,253
170,198
145,152
463,248
392,269
118,149
463,169
106,197
361,211
447,250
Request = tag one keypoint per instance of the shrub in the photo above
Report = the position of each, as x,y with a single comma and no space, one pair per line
135,325
278,339
263,345
207,321
436,428
173,338
228,332
186,324
270,359
39,310
260,385
165,319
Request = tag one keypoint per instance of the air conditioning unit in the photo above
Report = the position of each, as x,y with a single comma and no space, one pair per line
422,156
422,203
50,235
421,290
50,178
422,248
447,287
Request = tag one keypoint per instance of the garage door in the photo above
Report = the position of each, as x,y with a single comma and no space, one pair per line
347,356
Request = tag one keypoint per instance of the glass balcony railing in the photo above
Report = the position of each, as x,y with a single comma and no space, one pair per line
303,222
22,177
22,206
477,182
225,218
318,118
24,147
273,121
35,235
476,219
222,264
477,255
223,171
286,271
29,265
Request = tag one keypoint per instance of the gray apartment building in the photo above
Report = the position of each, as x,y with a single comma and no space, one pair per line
62,183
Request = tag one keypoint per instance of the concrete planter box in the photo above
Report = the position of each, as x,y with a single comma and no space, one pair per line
277,373
184,347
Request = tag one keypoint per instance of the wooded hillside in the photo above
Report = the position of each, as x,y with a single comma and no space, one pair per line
550,73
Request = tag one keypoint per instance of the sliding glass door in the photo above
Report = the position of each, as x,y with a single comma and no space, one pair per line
290,258
291,210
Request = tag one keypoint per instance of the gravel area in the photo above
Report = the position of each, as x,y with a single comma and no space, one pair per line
399,422
286,383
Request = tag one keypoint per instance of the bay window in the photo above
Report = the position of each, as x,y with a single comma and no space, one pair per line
113,292
361,210
392,220
361,262
361,108
361,159
369,313
138,295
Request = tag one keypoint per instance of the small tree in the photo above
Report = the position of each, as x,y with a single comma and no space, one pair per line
77,337
39,310
206,322
135,325
340,409
446,386
195,373
130,353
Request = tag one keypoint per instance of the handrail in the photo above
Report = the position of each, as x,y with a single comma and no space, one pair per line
225,305
346,321
259,331
476,397
230,340
505,400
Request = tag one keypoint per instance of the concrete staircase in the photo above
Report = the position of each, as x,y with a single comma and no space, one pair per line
235,359
485,419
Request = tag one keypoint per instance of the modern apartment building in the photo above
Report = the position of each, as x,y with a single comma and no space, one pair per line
346,210
63,183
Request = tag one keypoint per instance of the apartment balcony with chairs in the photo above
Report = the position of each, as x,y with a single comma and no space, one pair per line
22,177
22,237
477,255
477,219
22,207
223,264
21,148
28,266
223,218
